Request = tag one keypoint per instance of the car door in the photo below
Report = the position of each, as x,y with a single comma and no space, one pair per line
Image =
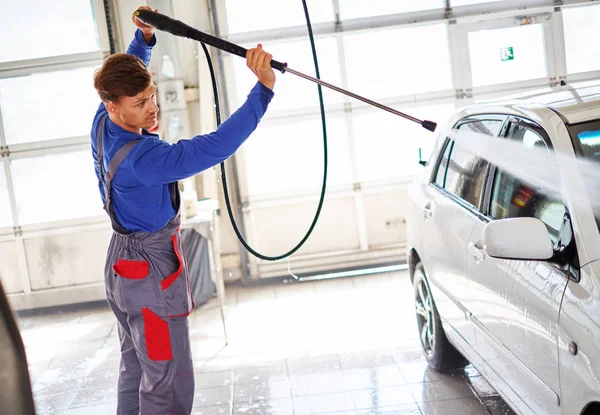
515,304
451,208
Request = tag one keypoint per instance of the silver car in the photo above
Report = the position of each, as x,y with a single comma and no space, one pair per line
506,277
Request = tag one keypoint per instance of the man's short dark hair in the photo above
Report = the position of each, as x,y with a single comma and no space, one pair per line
121,75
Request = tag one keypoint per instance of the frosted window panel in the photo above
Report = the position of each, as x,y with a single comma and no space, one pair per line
458,3
5,210
56,187
49,105
581,25
288,156
398,62
507,55
351,9
40,28
247,16
292,92
387,146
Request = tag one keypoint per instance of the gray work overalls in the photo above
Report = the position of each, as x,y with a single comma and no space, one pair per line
148,289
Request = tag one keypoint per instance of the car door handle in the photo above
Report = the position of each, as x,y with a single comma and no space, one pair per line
427,211
477,251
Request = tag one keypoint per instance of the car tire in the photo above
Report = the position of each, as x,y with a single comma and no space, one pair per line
440,354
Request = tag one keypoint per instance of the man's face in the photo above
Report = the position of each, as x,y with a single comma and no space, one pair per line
139,111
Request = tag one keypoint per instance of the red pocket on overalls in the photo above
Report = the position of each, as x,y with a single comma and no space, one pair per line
132,287
135,270
158,338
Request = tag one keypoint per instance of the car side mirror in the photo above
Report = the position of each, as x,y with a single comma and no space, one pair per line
518,238
421,161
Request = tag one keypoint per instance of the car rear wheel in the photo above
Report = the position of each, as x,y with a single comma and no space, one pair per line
439,352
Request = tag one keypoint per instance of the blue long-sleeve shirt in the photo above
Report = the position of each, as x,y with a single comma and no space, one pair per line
140,194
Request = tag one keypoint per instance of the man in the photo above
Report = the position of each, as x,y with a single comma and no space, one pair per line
146,277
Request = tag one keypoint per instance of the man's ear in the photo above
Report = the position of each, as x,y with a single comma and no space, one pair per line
111,107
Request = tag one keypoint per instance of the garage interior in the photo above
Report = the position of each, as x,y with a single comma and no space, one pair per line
330,329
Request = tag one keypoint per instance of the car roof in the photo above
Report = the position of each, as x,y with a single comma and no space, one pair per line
577,102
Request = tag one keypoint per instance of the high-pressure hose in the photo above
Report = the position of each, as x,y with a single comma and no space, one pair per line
280,66
224,175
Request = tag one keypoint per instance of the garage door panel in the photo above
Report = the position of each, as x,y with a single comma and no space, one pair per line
68,259
385,214
277,229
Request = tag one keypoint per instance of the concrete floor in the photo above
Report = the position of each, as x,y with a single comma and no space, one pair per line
345,346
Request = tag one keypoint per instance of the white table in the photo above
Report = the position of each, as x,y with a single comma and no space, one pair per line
206,223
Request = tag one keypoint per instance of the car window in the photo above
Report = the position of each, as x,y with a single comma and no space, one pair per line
512,198
440,176
461,172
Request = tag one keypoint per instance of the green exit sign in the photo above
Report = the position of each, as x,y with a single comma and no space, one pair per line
507,54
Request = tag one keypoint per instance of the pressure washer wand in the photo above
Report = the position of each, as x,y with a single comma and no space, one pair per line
430,125
178,28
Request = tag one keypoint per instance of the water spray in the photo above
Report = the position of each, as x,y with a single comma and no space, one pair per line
548,172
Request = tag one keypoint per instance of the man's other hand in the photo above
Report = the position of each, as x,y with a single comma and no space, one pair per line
147,30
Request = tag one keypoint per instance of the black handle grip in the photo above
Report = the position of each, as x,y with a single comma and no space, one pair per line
178,28
429,125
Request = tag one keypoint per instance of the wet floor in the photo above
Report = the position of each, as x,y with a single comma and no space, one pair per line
344,346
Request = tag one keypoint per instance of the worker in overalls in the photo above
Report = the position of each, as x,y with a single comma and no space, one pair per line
146,277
